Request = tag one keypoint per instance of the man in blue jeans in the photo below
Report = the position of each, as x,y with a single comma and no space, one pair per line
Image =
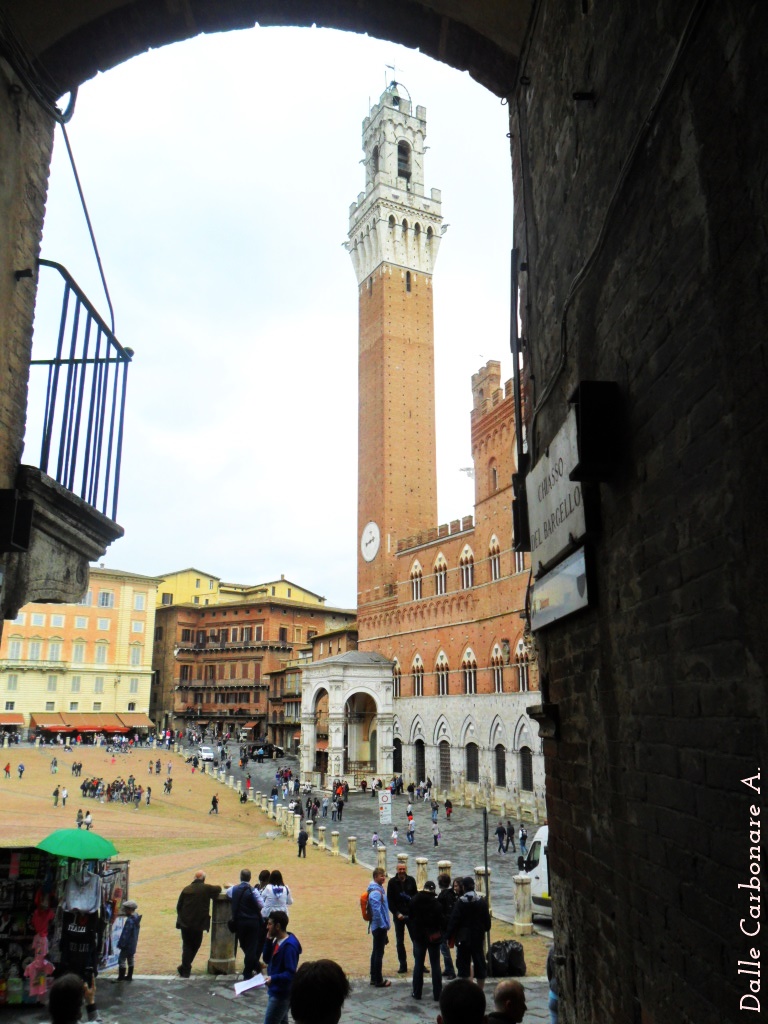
281,952
377,904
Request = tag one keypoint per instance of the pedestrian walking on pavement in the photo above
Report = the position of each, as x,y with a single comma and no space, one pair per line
436,834
214,805
510,836
501,835
55,795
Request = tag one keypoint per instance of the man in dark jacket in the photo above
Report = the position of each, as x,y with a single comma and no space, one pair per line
425,923
446,899
250,929
470,920
193,918
400,891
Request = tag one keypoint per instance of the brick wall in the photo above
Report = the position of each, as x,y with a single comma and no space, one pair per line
397,483
660,688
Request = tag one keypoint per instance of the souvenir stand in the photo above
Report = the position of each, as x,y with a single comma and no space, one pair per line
58,913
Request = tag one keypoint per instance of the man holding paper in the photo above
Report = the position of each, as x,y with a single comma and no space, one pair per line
281,952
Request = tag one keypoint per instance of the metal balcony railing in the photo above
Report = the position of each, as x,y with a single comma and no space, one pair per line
82,434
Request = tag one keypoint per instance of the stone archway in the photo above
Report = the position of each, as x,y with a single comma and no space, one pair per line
360,728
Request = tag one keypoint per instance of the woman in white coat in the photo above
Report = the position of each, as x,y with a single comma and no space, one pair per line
276,895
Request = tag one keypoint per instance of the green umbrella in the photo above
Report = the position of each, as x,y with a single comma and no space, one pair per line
78,844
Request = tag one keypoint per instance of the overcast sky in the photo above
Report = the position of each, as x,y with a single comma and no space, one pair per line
219,174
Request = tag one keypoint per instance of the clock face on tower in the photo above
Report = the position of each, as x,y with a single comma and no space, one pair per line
370,541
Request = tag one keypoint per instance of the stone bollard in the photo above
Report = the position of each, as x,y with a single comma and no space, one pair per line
523,923
402,858
231,781
222,958
238,785
277,814
444,867
296,825
309,825
5,741
352,849
321,837
422,865
334,843
381,858
483,883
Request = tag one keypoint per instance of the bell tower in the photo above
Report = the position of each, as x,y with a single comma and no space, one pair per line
394,235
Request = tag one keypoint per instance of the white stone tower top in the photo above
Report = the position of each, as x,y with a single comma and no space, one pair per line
393,221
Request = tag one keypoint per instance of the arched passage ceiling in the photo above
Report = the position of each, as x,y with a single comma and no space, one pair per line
73,41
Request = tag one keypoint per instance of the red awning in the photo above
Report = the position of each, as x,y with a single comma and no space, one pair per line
11,718
321,744
49,722
95,722
250,725
136,720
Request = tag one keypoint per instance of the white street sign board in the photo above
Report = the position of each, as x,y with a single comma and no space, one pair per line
385,807
555,502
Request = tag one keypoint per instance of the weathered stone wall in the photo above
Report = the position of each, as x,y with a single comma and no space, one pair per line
27,139
661,687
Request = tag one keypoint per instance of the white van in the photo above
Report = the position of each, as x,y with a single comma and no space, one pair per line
537,866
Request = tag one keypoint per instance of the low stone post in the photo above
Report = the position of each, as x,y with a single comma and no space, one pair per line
296,825
277,814
222,958
402,858
483,883
444,867
523,923
352,849
231,781
334,843
422,865
238,785
321,837
309,825
381,858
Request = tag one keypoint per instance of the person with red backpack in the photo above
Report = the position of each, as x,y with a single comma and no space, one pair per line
378,912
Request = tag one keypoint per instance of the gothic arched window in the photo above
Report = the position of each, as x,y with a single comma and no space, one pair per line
404,160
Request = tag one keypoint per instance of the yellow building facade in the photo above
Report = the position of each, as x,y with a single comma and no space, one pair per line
81,668
192,586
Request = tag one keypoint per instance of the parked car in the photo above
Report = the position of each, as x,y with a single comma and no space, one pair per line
206,754
537,865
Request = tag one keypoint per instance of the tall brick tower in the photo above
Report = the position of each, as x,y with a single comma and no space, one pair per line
394,235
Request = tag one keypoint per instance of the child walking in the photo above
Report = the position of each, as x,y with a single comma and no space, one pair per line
375,840
394,835
128,941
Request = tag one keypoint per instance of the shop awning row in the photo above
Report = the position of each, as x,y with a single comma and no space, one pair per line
83,722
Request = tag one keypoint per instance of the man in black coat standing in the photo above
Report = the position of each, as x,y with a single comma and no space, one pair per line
193,917
250,929
470,920
400,891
